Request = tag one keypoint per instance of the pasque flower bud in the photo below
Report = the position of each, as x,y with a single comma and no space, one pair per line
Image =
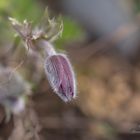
57,66
61,76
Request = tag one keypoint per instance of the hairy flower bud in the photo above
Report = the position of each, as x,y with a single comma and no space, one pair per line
61,76
13,90
57,66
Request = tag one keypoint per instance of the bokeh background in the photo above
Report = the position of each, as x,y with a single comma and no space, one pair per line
102,41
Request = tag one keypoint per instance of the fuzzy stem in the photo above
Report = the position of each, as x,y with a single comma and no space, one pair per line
48,47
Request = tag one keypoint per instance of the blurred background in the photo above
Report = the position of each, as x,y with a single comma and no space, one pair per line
102,40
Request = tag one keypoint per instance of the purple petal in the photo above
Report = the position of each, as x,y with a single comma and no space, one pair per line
68,79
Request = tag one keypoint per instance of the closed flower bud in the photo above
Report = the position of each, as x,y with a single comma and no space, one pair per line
61,76
13,90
